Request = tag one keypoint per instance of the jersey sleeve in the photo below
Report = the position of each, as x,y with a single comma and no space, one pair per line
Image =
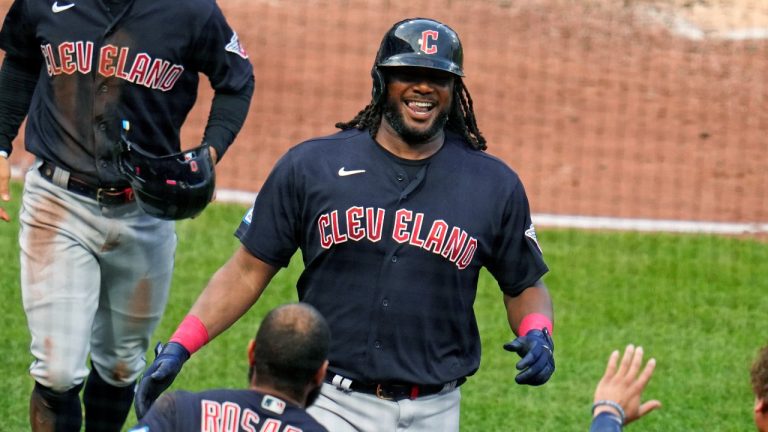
518,260
161,417
219,55
17,37
271,228
605,422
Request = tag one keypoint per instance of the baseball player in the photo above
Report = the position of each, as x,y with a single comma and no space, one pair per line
95,268
395,216
287,367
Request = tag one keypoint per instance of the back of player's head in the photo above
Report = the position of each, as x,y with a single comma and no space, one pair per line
759,375
291,345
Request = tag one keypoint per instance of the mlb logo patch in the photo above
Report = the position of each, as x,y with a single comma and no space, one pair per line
234,47
531,234
271,403
248,216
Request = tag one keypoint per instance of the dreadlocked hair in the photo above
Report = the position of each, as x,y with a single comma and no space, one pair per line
461,119
368,118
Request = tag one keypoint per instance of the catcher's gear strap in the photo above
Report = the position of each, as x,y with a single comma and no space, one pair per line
191,334
534,321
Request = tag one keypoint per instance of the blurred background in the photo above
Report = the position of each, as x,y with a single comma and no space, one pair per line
640,109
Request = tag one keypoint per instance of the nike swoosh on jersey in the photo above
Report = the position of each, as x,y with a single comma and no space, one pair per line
344,173
56,8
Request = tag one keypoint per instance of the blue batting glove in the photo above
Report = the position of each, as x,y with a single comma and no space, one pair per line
538,361
159,375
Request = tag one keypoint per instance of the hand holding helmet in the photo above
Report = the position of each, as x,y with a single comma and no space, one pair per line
172,187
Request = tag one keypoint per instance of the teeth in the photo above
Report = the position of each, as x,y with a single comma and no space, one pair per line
422,104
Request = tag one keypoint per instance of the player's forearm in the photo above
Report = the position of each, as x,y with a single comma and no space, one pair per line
534,300
227,116
232,291
17,84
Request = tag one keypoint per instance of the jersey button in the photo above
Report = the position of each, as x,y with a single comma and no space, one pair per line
103,88
400,177
377,344
103,126
385,302
394,259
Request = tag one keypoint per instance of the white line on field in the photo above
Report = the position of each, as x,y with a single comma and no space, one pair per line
689,30
565,221
657,225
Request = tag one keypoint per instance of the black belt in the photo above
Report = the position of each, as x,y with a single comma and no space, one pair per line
112,195
390,391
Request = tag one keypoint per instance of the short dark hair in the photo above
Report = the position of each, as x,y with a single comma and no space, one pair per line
759,375
291,345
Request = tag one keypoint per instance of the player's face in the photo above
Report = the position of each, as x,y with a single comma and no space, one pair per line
418,102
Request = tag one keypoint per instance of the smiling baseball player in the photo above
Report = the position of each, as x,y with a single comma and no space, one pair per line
395,216
96,264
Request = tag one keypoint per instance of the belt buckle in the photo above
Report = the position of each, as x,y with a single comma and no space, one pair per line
103,193
380,393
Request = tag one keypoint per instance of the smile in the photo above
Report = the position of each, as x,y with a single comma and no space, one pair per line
420,109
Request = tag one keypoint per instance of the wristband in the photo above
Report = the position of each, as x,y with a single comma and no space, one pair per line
191,334
4,154
611,404
534,321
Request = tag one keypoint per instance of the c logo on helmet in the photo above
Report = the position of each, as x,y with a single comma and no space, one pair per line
426,46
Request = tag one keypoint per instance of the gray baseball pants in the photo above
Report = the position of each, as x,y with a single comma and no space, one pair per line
341,410
94,280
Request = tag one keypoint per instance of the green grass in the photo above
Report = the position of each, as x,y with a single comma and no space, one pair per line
695,303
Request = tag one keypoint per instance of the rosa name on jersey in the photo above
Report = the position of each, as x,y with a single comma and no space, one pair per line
113,61
229,416
358,223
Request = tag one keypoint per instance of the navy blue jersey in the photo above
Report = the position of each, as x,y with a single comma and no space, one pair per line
225,410
392,262
97,69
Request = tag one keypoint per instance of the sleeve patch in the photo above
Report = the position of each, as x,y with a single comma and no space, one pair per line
531,234
248,216
234,46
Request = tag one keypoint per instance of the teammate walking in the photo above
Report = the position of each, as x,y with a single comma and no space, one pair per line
395,216
287,366
95,269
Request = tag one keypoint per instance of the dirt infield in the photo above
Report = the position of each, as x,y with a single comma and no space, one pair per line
643,109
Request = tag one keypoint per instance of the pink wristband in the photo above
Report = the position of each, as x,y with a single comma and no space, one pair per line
534,321
191,334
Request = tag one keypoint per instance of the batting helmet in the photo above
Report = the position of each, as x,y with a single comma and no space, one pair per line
172,187
417,42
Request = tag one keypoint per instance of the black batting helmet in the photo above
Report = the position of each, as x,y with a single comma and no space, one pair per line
417,42
172,187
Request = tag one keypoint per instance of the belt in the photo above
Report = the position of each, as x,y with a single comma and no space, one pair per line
390,391
110,196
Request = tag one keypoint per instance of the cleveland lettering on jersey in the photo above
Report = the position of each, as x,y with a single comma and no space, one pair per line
453,243
70,57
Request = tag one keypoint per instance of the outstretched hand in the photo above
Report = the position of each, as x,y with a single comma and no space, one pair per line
622,384
538,360
159,376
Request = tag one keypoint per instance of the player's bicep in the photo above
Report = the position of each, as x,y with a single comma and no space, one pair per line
219,55
518,261
271,229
